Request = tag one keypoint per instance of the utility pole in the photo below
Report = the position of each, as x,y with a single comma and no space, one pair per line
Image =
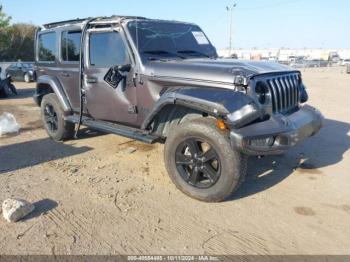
231,9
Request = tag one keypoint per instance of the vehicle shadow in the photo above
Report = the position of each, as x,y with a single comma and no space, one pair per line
41,207
324,149
21,155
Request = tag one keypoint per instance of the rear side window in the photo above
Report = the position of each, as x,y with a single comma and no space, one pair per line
107,49
47,47
70,47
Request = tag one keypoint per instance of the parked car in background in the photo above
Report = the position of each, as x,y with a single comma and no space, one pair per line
298,64
283,62
333,58
21,72
317,63
345,62
301,63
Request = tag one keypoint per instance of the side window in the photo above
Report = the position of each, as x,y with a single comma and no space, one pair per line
47,47
70,46
107,49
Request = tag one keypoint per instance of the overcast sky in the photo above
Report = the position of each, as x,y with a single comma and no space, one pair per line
257,23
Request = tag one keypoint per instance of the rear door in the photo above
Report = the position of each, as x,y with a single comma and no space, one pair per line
69,60
46,57
107,49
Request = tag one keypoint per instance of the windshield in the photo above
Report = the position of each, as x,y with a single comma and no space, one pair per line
29,66
160,40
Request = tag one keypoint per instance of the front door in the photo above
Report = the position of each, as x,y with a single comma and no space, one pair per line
109,97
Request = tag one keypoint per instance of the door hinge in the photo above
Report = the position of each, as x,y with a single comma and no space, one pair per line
132,109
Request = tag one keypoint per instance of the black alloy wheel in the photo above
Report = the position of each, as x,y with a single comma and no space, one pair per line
51,119
198,163
201,162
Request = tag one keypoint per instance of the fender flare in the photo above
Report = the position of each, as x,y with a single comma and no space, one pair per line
217,102
56,88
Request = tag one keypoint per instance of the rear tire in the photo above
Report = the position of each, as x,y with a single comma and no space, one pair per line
218,169
52,116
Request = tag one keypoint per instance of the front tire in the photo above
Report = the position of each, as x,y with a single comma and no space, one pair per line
52,116
201,162
27,78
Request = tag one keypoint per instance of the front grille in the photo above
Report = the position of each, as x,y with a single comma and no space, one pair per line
284,92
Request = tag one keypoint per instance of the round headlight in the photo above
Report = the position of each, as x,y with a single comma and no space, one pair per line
262,92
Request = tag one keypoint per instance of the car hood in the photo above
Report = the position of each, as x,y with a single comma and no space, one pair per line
212,70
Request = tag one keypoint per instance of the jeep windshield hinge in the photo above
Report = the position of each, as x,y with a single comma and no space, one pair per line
81,73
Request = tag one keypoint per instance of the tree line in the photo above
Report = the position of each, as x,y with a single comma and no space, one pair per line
16,40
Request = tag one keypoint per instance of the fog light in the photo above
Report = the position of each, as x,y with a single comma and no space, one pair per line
262,142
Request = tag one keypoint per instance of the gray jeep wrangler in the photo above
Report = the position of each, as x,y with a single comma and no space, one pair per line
162,81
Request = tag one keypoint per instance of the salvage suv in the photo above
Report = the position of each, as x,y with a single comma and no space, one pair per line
162,81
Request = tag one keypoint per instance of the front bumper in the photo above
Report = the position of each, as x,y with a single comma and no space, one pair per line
277,134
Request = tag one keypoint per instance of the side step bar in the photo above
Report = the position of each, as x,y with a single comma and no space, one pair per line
112,128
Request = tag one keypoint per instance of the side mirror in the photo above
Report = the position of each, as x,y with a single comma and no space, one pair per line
124,68
116,74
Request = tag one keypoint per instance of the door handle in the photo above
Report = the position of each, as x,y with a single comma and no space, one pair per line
64,74
91,80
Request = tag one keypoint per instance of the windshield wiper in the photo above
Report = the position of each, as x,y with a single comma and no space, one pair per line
193,52
163,52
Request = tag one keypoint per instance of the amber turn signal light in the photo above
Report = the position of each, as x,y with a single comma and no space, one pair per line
221,124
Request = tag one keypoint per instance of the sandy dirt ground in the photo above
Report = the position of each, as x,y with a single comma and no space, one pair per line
94,196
